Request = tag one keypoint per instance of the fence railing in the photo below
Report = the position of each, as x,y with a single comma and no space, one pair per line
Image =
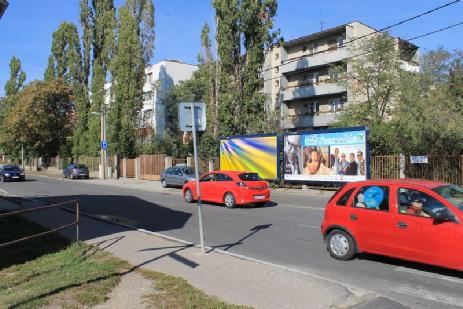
18,212
441,168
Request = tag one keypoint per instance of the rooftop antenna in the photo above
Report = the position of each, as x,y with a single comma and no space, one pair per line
321,20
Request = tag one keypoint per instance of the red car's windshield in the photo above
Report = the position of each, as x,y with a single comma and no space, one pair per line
452,193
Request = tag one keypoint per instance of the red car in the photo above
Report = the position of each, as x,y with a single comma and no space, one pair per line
417,220
230,188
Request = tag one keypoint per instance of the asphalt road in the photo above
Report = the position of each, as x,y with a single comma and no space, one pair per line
286,232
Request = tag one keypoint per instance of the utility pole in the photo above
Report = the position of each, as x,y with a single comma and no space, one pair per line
22,156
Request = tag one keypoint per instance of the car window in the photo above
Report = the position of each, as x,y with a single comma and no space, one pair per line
250,177
223,177
169,171
11,168
452,193
177,171
70,166
188,171
81,166
372,197
417,203
342,201
209,177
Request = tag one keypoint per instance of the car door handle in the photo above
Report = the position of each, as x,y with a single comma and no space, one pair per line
353,217
402,225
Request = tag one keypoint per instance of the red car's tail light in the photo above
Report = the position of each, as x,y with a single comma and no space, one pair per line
241,185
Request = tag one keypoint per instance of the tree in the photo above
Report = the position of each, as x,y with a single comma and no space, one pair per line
17,77
128,69
65,62
373,78
143,11
243,33
103,23
40,119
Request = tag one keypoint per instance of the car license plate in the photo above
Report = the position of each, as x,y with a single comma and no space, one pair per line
15,177
259,197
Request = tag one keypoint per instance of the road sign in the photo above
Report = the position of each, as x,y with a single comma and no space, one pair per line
104,145
184,116
419,159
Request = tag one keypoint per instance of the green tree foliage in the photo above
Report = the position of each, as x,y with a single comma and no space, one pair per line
373,79
39,120
17,77
128,71
243,32
412,113
103,26
65,62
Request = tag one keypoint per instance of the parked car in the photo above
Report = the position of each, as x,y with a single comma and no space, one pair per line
76,171
230,188
177,176
11,172
416,220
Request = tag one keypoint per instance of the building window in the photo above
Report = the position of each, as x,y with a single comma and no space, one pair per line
149,77
304,48
148,96
277,69
277,83
313,48
336,105
340,41
313,108
312,78
277,56
333,75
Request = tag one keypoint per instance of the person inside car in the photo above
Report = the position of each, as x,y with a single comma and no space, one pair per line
416,208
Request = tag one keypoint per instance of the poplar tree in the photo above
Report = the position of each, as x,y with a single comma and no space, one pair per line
135,39
243,34
17,77
103,37
65,62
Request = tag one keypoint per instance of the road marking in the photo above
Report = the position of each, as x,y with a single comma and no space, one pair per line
309,226
421,292
427,274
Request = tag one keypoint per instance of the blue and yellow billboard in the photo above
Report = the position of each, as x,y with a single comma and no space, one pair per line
251,153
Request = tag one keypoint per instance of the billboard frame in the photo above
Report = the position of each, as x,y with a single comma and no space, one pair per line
334,130
278,140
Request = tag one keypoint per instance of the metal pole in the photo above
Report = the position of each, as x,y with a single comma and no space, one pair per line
101,143
22,156
198,190
105,159
77,221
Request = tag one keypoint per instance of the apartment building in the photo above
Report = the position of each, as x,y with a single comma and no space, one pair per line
300,82
159,78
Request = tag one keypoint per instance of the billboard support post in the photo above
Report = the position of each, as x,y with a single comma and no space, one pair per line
198,190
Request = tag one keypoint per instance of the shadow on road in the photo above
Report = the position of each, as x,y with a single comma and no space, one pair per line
411,265
253,231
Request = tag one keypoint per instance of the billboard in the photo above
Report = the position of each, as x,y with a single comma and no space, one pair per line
326,155
251,153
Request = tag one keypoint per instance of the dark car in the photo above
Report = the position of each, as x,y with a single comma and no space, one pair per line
177,176
11,172
76,171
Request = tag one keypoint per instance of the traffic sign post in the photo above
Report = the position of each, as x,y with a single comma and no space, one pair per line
104,145
197,121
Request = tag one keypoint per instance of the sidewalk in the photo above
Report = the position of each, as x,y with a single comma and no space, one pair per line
153,185
235,279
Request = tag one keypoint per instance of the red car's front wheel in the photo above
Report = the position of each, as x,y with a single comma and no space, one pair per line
188,196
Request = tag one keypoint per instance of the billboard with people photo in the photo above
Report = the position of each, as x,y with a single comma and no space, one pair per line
335,155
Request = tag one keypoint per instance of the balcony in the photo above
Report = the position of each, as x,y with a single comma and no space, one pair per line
311,91
308,121
314,60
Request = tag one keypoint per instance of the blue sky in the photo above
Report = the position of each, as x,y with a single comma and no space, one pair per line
26,27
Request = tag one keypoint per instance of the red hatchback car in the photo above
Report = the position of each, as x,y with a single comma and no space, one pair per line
415,220
230,188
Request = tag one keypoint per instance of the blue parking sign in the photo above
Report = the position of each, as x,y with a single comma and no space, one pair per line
104,145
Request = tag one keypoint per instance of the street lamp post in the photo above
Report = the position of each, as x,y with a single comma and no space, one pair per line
103,153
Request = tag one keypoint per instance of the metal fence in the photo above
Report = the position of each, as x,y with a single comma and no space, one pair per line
441,168
74,223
